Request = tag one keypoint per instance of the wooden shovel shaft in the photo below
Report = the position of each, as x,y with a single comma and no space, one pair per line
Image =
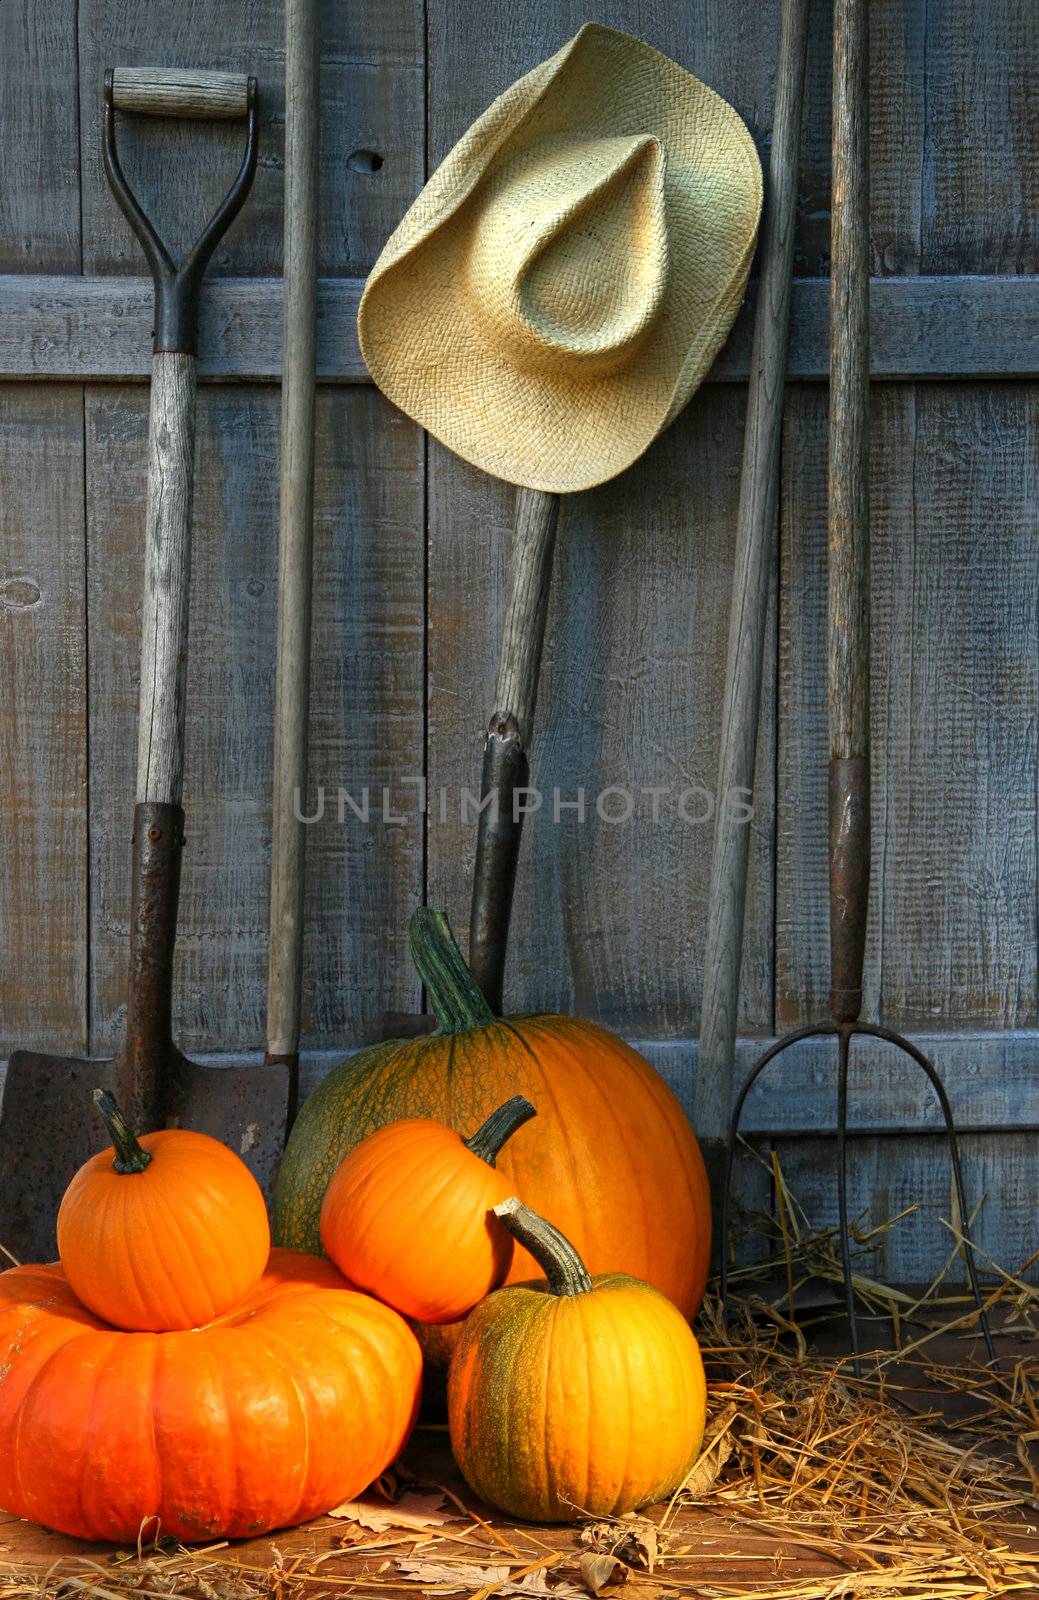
849,620
167,578
755,543
509,734
295,538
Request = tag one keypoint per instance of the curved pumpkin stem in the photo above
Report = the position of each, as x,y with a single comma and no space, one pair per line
456,1000
489,1138
553,1252
130,1156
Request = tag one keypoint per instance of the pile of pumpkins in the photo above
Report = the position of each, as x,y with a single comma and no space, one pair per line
175,1373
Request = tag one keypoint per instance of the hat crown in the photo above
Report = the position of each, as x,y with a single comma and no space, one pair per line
569,263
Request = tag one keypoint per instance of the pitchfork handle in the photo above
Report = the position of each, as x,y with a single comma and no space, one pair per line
848,682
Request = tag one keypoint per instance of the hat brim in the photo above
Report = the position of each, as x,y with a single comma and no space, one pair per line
565,430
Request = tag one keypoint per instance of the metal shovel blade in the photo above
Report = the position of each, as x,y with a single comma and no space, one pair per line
243,1107
49,1127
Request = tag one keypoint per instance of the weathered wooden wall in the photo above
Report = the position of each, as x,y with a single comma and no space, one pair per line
411,549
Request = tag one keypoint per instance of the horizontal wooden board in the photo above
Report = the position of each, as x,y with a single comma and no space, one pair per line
70,327
991,1080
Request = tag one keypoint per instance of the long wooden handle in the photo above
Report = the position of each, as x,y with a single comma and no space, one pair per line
180,92
755,543
848,621
296,530
507,749
167,576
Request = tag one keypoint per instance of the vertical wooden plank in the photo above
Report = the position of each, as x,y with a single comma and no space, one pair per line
372,150
954,138
802,924
365,878
980,155
609,914
898,76
957,863
366,709
43,722
476,51
43,842
39,197
955,695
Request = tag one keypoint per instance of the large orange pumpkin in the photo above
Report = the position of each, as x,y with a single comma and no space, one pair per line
610,1156
409,1214
574,1395
271,1415
168,1231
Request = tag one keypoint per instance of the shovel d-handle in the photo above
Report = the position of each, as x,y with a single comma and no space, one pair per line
203,96
181,92
171,428
506,767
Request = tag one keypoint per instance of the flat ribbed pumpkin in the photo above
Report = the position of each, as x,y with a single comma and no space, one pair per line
162,1232
610,1156
409,1215
576,1395
271,1415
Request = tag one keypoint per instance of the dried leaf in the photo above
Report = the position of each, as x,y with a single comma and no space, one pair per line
718,1445
411,1511
453,1577
537,1583
599,1570
636,1540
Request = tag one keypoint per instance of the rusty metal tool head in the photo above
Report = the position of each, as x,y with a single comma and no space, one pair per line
47,1125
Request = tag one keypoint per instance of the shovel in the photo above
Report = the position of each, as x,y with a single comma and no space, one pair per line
48,1126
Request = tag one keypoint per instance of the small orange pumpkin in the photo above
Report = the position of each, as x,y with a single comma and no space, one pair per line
409,1214
576,1395
162,1232
271,1415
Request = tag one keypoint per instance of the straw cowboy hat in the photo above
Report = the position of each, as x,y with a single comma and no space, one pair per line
564,281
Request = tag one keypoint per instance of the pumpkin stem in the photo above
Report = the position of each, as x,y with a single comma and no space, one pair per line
129,1155
500,1125
554,1254
456,1000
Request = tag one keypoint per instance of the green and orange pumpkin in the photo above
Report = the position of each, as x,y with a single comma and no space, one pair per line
577,1395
